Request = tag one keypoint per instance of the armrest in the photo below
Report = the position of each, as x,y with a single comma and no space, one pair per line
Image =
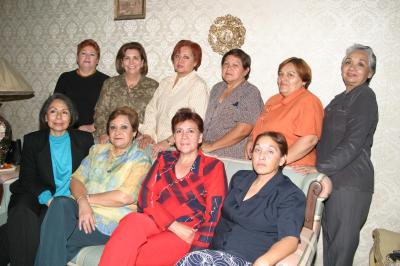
317,188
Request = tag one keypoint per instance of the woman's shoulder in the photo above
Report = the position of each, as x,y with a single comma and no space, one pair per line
101,75
250,90
218,87
37,135
138,153
309,96
197,78
242,175
366,92
149,82
99,148
210,159
114,80
81,135
287,188
274,99
68,74
250,86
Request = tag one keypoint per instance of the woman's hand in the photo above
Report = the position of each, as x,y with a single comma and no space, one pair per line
86,221
207,147
145,140
184,232
103,139
161,146
88,128
248,150
304,169
260,262
49,202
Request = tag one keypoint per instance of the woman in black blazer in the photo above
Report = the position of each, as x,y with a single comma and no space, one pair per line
49,157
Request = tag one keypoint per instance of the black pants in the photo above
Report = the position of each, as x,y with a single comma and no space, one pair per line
19,237
345,213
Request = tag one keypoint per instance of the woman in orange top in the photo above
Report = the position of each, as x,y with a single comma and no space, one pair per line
294,111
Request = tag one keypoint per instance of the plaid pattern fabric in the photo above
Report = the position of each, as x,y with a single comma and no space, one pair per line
194,200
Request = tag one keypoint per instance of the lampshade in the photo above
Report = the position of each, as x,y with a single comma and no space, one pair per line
12,85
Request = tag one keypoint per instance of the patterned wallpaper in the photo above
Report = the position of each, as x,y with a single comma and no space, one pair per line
39,38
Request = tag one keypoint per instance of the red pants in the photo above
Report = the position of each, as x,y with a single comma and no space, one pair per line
138,241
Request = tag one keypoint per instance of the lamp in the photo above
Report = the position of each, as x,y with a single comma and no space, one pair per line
12,85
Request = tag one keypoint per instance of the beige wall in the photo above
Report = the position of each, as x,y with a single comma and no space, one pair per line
39,38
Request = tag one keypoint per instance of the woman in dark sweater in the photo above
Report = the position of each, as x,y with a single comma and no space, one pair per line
83,85
49,157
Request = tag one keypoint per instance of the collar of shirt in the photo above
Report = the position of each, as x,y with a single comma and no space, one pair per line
182,79
171,157
292,96
245,184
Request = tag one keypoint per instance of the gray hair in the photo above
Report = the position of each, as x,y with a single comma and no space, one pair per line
370,53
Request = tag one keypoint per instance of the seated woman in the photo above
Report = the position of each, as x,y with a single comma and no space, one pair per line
184,89
262,215
49,157
105,188
83,85
131,88
294,111
233,109
179,203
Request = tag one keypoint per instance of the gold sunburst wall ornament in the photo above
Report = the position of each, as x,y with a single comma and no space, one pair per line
226,33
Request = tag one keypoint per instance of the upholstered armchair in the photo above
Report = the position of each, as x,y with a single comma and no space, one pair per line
385,242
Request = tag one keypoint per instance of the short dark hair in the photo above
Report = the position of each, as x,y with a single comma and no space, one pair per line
185,114
196,50
132,115
244,58
302,68
278,138
121,54
48,102
88,42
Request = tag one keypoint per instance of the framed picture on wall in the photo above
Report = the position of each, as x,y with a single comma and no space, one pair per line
129,9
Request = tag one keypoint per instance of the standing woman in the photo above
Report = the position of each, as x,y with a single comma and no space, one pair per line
49,157
179,203
83,85
344,155
233,109
295,112
183,89
131,88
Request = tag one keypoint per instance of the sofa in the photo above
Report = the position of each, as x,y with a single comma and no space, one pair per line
316,187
